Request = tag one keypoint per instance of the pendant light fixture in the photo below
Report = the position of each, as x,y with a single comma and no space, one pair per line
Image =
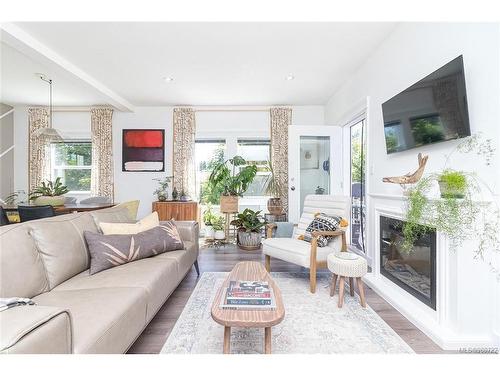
48,134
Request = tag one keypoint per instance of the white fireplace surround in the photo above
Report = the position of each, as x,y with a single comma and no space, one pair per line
465,298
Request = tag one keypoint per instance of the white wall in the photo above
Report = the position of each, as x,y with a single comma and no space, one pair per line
406,56
140,185
409,54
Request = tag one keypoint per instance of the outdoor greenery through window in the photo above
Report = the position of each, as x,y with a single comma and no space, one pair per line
256,152
72,161
207,153
358,186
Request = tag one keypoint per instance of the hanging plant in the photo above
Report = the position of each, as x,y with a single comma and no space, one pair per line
457,214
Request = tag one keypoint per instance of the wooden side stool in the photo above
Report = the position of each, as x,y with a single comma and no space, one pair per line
351,266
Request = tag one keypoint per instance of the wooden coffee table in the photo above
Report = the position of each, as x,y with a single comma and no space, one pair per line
248,318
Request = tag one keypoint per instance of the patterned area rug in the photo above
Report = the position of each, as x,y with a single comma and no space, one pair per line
313,323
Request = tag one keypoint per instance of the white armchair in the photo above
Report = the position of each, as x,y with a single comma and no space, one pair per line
303,253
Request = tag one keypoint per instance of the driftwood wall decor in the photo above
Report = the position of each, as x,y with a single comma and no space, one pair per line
410,178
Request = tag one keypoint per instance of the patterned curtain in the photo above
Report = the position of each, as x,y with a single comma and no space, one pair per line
101,127
281,119
184,133
39,153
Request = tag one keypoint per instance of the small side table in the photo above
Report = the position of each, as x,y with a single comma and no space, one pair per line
351,269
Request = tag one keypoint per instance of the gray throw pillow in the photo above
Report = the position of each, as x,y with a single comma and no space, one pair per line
107,251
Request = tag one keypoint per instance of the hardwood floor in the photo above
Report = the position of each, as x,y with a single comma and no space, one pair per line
222,260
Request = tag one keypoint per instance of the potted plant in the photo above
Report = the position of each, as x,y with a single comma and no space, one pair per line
218,225
162,190
232,177
272,188
453,184
457,214
249,224
208,217
50,193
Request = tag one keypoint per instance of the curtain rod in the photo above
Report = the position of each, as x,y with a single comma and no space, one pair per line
231,109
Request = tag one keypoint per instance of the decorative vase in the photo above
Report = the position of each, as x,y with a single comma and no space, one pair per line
274,206
209,231
49,201
219,234
175,194
249,240
229,203
162,197
448,192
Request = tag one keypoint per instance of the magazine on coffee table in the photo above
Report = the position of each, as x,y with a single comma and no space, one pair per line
248,295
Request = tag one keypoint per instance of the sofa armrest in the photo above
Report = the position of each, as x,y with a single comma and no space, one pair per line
35,330
190,234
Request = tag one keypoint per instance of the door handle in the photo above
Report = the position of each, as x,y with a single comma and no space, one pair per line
292,188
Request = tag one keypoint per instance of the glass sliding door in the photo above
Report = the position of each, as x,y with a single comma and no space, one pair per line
358,184
314,166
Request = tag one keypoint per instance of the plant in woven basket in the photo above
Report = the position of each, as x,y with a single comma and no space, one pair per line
273,188
249,224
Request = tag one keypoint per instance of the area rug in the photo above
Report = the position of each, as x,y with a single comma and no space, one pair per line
313,323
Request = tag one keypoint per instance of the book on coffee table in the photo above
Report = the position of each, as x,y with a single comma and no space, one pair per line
248,294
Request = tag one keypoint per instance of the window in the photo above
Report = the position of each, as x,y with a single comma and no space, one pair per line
207,153
256,152
72,161
358,186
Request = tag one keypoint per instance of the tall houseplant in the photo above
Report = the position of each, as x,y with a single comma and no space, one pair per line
232,177
50,193
272,188
249,224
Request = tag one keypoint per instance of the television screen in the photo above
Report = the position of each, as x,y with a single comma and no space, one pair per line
432,110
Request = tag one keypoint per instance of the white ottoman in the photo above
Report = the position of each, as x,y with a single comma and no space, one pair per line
347,265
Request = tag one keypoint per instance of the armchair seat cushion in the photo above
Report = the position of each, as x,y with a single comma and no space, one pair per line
297,251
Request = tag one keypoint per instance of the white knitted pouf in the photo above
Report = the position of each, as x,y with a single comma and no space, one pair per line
350,269
347,267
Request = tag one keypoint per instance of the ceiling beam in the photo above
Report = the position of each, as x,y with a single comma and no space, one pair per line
25,43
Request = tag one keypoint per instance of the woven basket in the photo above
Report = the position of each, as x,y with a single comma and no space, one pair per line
229,203
274,206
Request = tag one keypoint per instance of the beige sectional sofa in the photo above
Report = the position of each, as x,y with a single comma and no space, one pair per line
75,312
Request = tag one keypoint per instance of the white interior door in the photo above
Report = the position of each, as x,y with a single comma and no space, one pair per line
314,164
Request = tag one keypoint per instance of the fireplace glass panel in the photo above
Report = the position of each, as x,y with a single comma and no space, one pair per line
414,270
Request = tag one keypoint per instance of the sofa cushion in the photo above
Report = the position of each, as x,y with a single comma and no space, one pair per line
117,214
104,320
35,330
22,273
62,248
148,222
107,251
157,277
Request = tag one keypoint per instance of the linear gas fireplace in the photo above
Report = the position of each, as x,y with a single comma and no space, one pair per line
414,271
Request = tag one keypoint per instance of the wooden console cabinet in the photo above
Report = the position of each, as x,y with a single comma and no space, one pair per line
176,210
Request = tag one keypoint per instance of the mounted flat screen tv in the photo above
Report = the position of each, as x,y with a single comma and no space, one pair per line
432,110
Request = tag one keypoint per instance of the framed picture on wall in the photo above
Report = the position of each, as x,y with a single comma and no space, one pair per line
309,155
143,150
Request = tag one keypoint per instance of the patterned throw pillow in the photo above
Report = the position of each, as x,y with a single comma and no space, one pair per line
322,222
107,251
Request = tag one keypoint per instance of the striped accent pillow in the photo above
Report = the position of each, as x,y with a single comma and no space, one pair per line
322,222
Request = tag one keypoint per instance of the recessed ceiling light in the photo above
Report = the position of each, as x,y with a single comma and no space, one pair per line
168,79
290,77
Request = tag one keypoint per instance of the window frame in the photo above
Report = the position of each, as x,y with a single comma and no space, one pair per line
63,167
